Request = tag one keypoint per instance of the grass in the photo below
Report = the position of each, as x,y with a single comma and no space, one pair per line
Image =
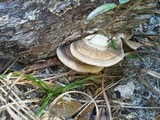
51,92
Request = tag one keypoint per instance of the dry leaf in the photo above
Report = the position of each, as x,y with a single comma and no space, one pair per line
64,109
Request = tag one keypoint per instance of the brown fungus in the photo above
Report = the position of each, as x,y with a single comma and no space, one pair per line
96,50
67,58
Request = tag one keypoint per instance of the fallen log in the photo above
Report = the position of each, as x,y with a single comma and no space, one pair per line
32,30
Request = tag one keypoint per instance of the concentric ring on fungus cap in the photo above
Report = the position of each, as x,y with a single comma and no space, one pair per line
94,50
67,58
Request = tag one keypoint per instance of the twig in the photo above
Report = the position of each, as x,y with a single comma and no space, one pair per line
25,108
114,84
147,85
57,76
9,66
139,107
151,72
37,66
106,100
136,51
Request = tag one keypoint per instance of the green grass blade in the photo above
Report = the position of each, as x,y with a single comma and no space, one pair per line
73,85
112,44
101,9
123,1
132,56
45,103
39,83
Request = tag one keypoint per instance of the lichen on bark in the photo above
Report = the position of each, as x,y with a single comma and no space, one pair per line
32,30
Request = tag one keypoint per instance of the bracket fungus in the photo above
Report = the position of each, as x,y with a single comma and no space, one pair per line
132,44
96,50
67,58
91,54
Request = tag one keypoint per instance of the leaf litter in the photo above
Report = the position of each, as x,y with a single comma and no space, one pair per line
142,102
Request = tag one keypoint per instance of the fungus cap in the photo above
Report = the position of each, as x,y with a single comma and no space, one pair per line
132,44
67,58
95,50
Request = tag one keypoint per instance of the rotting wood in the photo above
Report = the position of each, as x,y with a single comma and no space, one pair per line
32,30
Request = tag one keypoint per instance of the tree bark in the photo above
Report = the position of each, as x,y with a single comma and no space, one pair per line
32,30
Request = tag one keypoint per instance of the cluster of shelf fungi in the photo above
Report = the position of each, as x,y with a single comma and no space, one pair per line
92,53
